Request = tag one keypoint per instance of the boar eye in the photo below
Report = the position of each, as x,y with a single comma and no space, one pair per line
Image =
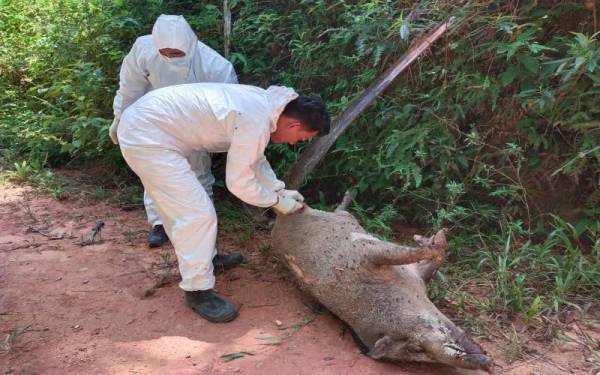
414,348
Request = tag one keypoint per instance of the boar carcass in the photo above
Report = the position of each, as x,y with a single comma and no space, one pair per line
378,288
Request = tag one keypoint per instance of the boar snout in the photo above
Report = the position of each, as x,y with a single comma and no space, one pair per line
462,353
455,348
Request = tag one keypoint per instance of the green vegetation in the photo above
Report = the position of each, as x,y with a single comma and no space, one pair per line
495,133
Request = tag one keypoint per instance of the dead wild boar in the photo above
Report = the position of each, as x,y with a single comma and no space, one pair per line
378,288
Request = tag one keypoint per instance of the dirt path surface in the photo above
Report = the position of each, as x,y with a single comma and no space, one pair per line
109,307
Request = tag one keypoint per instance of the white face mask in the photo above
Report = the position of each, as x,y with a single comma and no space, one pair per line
171,71
176,61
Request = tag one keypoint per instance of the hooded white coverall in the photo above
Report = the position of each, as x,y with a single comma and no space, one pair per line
145,69
159,132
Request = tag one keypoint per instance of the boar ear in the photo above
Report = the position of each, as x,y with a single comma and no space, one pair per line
380,348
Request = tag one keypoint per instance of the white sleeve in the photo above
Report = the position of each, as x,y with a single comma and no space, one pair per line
216,68
244,158
229,73
133,82
266,176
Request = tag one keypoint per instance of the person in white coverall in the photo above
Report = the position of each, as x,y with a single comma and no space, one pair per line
172,55
159,132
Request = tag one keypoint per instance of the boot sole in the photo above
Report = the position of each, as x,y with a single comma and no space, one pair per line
220,268
153,245
213,320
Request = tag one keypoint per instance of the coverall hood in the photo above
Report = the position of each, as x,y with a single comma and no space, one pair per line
279,97
145,69
174,32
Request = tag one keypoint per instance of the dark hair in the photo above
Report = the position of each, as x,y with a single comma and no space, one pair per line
311,111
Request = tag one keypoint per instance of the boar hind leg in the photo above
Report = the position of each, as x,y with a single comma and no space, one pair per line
386,253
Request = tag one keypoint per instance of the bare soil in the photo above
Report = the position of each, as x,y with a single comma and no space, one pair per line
112,306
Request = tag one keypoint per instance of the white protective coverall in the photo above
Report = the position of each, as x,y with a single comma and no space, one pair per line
145,69
159,132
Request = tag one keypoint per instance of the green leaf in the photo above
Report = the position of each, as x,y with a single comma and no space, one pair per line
508,76
529,62
578,62
404,30
592,64
363,185
300,324
235,56
67,148
582,40
235,355
537,48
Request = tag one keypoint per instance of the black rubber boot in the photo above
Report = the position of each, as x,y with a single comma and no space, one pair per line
210,306
157,236
227,261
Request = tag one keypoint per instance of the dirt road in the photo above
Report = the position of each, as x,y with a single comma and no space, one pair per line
110,307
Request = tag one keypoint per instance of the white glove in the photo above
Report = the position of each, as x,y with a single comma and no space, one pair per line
291,194
112,132
286,205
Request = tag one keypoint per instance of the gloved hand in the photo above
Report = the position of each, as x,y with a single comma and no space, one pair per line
286,205
112,132
291,194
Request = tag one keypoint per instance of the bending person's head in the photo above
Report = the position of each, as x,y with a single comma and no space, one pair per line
302,118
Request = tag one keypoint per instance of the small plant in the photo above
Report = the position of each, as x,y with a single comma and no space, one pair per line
166,260
128,196
514,350
49,183
131,236
29,214
23,171
265,250
11,339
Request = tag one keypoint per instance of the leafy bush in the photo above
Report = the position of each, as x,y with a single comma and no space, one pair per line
493,129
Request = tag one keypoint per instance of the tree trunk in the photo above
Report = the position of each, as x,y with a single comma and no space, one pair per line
226,28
